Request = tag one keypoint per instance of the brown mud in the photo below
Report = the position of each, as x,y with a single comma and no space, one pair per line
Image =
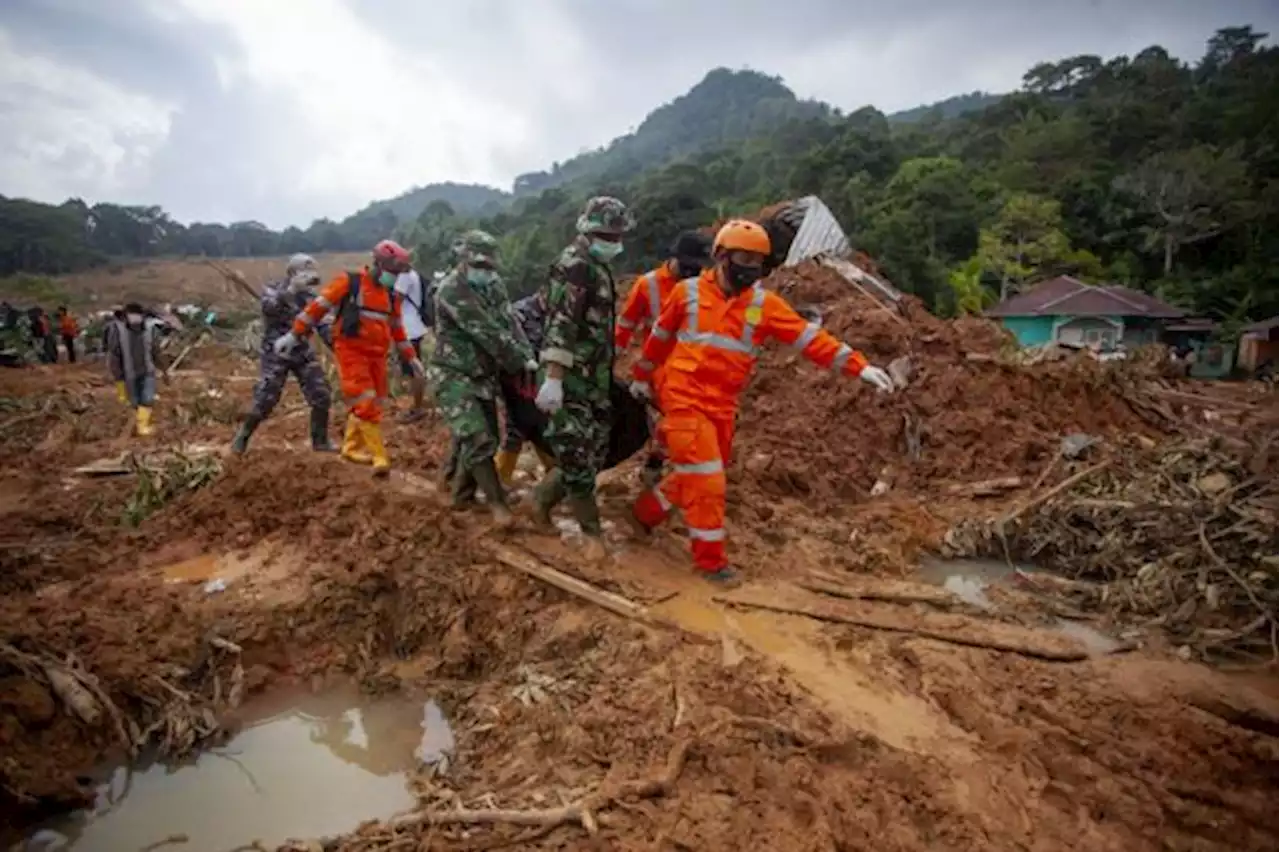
579,729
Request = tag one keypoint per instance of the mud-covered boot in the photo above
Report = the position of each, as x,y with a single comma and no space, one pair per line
320,430
546,496
505,462
485,475
462,490
587,514
240,443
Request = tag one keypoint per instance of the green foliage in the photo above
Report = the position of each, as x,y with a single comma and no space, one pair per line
1140,170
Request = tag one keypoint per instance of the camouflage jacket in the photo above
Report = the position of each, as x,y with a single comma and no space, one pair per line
475,335
578,303
531,319
279,308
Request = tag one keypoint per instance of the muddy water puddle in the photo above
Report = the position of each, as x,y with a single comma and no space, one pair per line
969,579
303,766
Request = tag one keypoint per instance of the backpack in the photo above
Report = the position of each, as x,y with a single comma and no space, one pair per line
349,307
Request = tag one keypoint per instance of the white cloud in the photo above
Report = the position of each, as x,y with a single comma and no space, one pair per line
359,117
68,132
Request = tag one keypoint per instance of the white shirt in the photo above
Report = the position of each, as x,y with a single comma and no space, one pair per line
409,286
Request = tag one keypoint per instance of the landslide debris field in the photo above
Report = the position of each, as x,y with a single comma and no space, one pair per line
152,592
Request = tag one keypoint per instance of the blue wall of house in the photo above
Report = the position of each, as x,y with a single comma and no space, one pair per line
1030,331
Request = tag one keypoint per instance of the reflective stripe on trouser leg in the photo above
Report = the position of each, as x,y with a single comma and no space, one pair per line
697,484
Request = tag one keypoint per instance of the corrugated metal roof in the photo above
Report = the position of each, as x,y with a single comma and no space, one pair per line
1067,296
819,233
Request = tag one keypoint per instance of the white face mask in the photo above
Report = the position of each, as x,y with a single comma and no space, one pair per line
133,319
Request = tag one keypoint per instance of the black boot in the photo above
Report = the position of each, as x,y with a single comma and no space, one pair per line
587,513
320,430
240,442
463,491
546,496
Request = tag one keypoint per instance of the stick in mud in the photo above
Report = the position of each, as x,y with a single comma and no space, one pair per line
582,812
1026,649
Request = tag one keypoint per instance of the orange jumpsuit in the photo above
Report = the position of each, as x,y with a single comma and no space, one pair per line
642,307
362,360
707,343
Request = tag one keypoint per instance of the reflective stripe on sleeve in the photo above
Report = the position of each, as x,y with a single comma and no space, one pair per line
808,336
842,357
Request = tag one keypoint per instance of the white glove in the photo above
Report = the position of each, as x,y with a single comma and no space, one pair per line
641,390
877,378
531,366
550,396
285,343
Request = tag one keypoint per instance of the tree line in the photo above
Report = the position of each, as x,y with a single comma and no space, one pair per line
1139,170
1143,170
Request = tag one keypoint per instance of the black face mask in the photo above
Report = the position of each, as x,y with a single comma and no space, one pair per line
741,277
688,270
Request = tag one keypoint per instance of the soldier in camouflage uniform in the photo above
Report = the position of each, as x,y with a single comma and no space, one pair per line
281,302
475,338
577,353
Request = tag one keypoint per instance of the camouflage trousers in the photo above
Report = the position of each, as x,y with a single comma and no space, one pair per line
275,370
470,409
579,437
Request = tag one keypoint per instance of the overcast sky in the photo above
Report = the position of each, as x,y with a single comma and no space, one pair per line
288,110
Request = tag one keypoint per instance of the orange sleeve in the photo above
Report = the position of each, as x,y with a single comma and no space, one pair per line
635,310
782,323
662,339
326,300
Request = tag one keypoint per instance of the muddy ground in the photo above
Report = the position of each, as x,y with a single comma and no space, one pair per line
704,723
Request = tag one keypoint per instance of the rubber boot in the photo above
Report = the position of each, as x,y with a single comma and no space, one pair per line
144,420
240,442
587,514
320,430
505,462
546,496
353,449
372,435
462,494
485,475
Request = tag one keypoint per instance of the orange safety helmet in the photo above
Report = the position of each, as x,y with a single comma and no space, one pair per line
741,235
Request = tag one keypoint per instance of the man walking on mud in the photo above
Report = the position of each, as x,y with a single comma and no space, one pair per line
368,322
133,355
416,315
578,356
475,339
281,302
706,340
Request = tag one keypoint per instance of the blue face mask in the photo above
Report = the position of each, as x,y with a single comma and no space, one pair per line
387,279
603,250
481,277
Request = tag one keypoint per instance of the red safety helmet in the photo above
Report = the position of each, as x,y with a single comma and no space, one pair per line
391,256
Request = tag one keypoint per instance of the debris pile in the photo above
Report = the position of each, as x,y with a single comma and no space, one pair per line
1182,536
958,420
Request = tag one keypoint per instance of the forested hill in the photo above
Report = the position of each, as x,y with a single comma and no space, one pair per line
726,107
1142,170
469,199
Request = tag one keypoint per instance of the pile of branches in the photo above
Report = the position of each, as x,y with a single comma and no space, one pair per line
156,485
1182,536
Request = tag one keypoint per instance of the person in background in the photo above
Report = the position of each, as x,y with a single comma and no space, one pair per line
417,314
69,329
133,357
367,325
281,301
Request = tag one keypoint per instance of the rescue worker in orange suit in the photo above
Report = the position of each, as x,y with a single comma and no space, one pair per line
368,321
706,339
690,254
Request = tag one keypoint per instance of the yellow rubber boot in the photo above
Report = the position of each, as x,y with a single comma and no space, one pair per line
372,434
505,462
144,420
353,447
121,394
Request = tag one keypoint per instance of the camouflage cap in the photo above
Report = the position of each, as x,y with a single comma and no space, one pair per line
477,247
605,214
